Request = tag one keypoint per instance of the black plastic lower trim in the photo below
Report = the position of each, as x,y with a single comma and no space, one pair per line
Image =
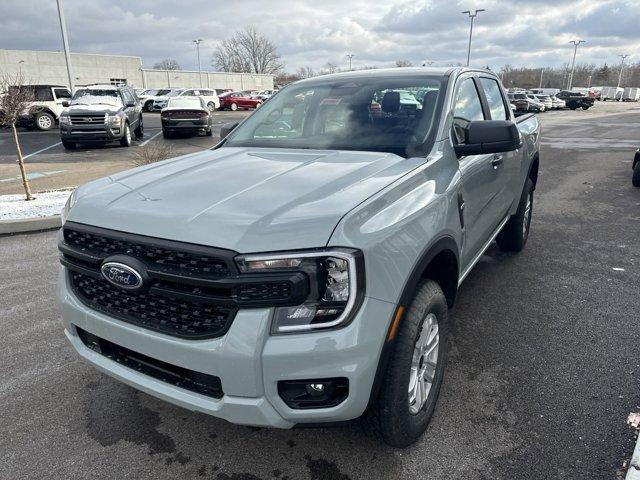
201,383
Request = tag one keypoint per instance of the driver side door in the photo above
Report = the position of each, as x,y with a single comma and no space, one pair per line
479,195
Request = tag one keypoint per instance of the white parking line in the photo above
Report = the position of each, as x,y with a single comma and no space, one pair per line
42,150
150,138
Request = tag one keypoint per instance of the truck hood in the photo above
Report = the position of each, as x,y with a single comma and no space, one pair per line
243,199
90,109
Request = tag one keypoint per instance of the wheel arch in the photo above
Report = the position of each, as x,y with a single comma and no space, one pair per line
440,263
533,170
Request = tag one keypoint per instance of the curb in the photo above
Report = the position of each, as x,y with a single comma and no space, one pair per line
8,227
633,473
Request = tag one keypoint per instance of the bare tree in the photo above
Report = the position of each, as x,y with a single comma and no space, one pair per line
13,102
167,64
331,67
403,63
247,51
305,72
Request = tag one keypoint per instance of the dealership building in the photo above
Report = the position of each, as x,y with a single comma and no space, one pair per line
38,67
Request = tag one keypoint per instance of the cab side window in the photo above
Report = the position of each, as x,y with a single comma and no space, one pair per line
466,108
494,98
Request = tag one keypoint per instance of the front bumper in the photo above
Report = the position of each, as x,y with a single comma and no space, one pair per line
91,133
248,360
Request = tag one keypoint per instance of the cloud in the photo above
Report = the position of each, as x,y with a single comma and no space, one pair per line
311,33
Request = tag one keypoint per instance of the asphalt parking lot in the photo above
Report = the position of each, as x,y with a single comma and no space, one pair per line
543,366
50,166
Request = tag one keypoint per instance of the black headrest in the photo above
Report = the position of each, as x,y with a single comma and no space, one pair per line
391,102
429,99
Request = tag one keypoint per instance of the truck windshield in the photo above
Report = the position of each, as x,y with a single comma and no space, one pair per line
383,114
94,96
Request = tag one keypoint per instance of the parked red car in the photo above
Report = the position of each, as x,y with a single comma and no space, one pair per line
234,101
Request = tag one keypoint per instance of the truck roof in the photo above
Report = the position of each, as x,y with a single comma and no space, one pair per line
393,73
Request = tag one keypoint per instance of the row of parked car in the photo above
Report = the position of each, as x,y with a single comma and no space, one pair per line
537,100
215,98
44,112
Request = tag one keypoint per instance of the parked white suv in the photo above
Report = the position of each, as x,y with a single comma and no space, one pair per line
44,111
209,96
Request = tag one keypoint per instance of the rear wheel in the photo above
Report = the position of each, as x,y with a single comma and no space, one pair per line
148,106
585,107
411,384
515,233
44,121
210,132
636,175
166,133
68,145
125,141
212,106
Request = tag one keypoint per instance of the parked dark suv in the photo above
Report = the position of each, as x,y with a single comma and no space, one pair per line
101,114
575,100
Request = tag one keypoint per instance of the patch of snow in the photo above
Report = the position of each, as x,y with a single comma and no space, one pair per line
634,420
45,204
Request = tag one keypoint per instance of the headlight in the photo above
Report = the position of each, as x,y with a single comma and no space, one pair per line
68,206
65,120
113,119
336,286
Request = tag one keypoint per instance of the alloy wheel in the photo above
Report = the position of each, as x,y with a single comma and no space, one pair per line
423,364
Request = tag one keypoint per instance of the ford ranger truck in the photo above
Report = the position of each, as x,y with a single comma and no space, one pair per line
302,271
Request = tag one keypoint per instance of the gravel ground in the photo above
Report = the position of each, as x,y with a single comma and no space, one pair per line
543,366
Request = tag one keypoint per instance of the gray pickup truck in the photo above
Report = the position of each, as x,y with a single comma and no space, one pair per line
302,271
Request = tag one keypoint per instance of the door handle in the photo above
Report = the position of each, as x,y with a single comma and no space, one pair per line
497,161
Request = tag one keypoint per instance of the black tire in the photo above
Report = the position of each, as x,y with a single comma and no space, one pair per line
166,134
148,106
389,417
210,132
125,141
585,107
212,106
636,175
44,121
139,131
68,145
513,236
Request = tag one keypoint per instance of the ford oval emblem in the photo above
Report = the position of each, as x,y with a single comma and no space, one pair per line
121,275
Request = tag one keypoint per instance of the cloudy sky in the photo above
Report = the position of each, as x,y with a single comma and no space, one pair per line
312,32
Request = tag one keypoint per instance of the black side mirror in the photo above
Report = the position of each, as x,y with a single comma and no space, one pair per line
131,104
227,128
489,136
65,103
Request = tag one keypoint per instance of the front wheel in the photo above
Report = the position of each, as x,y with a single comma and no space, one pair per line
44,121
515,233
234,106
211,106
139,131
68,145
125,141
411,384
636,175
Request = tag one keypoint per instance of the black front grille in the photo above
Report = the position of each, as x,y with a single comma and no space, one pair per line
88,119
166,314
189,291
198,382
158,257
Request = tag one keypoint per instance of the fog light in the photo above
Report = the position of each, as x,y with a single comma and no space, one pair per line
316,393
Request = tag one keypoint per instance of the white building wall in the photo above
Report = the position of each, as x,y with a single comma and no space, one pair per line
40,67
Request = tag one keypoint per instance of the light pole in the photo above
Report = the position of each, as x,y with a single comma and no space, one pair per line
350,57
623,57
541,73
472,16
20,68
65,44
575,43
197,42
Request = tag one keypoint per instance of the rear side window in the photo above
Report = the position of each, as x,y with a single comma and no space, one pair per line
494,98
44,94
